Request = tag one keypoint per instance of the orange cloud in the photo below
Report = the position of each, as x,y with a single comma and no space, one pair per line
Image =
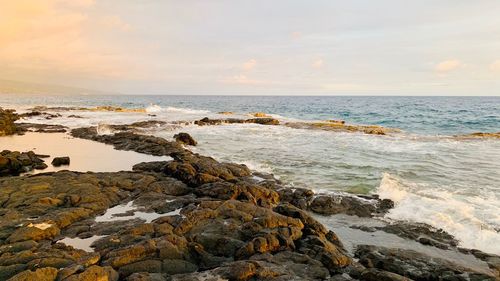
249,65
448,65
495,66
242,80
318,63
54,37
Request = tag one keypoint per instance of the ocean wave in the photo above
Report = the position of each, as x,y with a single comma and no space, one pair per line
153,108
442,209
186,110
104,129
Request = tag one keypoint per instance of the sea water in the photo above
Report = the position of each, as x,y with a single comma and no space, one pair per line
433,177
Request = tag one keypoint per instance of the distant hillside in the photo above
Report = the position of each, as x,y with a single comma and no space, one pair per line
17,87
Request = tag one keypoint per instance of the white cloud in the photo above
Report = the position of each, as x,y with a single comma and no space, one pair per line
448,65
249,65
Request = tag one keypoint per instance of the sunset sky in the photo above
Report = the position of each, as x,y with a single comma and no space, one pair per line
330,47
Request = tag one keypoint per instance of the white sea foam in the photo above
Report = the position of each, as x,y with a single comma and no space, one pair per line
153,108
186,110
104,129
443,209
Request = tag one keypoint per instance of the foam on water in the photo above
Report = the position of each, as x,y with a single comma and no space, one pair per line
473,224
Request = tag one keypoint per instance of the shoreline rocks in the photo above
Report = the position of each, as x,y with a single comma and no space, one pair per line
60,161
185,138
15,162
7,119
341,126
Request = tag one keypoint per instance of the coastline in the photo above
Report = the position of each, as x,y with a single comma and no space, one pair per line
215,220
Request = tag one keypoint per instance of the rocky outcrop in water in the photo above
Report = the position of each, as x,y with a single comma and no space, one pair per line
40,128
341,126
382,261
42,114
185,138
480,135
7,119
262,121
15,162
60,161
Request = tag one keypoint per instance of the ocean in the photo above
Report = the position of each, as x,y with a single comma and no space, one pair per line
435,178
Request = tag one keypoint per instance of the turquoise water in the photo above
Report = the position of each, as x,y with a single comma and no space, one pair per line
448,182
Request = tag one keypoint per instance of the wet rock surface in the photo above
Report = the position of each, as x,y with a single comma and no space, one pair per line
59,161
40,128
234,229
7,119
185,138
415,266
194,218
15,162
259,120
341,126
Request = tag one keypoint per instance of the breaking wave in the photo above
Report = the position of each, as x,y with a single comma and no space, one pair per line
469,223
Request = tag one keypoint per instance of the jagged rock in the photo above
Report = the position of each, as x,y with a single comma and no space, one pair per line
336,204
41,274
195,170
15,162
334,125
40,128
414,265
59,161
262,121
185,138
7,119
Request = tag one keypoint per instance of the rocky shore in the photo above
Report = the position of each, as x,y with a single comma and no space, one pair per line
195,218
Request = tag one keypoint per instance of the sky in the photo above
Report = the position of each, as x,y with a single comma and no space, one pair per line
255,47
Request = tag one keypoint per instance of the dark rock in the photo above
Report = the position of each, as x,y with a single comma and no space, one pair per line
262,121
413,265
422,233
59,161
40,128
41,274
14,162
7,119
185,138
337,204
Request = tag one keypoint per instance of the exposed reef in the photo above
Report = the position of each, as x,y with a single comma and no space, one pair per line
15,162
7,119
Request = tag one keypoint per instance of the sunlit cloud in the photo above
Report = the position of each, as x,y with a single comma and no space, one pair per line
495,66
116,22
249,65
296,35
448,65
319,63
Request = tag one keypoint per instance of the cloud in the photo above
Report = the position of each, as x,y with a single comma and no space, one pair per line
319,63
115,22
249,65
448,65
296,35
495,66
51,38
